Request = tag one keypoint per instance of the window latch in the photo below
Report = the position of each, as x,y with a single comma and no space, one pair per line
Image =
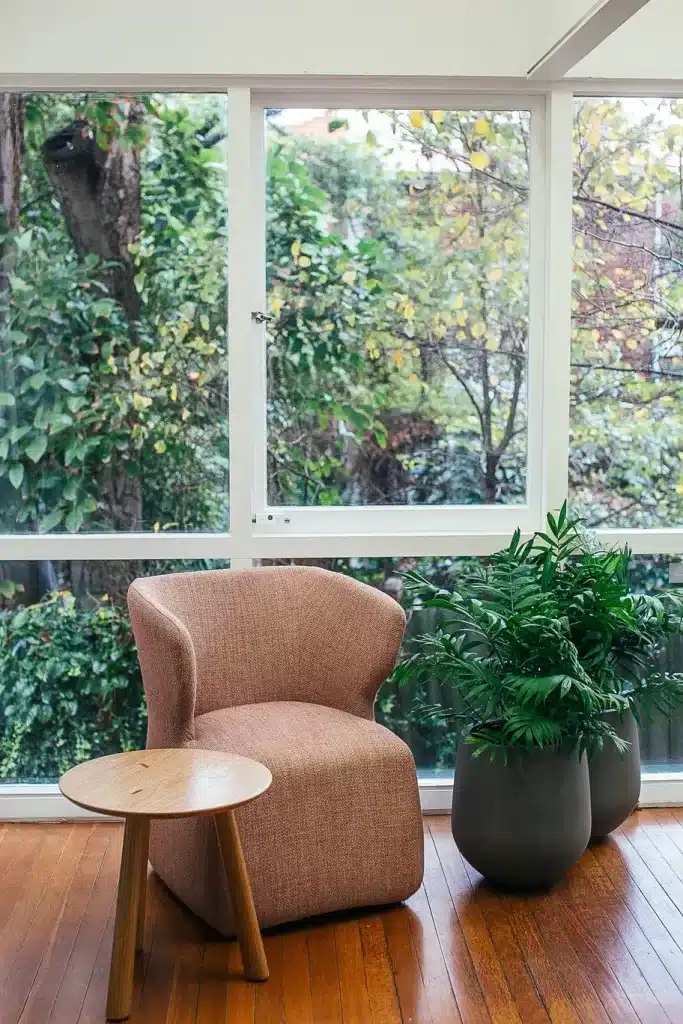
261,318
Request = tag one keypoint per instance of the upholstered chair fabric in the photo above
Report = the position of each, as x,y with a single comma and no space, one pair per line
282,664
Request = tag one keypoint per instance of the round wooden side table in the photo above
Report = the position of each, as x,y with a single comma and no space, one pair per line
144,784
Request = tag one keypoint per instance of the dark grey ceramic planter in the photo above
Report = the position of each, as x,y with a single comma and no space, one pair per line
615,779
521,824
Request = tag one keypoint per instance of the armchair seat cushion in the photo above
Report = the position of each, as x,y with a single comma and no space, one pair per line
340,826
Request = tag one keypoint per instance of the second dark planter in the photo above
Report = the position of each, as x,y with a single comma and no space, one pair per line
615,778
523,823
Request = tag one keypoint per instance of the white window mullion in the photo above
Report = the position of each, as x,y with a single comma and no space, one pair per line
538,259
242,246
257,258
557,295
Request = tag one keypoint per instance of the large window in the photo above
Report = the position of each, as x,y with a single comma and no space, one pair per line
397,274
113,369
407,347
625,464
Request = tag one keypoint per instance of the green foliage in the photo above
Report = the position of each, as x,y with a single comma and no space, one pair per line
506,648
85,399
70,686
620,635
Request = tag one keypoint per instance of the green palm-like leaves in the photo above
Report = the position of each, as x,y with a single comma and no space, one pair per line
545,639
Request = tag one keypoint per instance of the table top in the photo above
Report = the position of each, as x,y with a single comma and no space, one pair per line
165,783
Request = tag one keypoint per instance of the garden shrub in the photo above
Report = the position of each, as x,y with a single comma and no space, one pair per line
70,686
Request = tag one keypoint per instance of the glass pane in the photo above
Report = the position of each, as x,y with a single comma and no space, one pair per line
113,366
627,353
661,737
70,684
397,274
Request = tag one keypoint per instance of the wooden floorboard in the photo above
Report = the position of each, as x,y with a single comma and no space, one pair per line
604,947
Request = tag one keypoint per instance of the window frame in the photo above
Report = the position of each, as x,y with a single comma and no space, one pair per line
550,307
372,530
420,520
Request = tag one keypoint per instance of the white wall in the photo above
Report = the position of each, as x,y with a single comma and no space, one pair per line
649,45
275,37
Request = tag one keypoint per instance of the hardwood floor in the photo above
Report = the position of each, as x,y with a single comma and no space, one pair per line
606,945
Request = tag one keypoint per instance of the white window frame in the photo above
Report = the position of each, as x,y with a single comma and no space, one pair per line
383,521
369,532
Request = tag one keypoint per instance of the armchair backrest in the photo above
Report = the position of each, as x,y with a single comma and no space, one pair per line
209,640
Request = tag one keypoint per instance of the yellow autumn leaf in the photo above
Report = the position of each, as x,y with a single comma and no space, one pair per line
679,488
666,400
460,335
174,392
459,301
416,118
578,242
461,317
495,381
304,261
349,277
157,526
295,248
409,311
481,126
632,344
595,335
160,447
437,116
492,345
276,305
398,358
185,415
478,329
141,402
494,274
480,160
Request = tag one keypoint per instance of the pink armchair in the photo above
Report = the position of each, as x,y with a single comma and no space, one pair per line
283,665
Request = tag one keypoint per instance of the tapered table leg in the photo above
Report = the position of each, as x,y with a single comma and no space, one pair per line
142,898
120,995
246,922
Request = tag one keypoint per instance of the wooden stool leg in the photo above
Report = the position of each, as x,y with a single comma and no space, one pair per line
142,898
246,922
120,996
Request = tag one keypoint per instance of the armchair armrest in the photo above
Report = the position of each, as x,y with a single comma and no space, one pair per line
167,660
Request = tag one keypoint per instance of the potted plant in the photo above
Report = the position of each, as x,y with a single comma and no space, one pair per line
619,635
529,712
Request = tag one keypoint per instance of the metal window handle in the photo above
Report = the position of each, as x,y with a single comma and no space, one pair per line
261,318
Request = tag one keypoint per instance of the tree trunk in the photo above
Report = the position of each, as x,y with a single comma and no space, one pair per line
99,193
11,138
35,578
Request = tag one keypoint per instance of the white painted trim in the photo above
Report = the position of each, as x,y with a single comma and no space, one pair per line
644,542
93,546
44,802
240,303
557,298
41,802
661,789
603,18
